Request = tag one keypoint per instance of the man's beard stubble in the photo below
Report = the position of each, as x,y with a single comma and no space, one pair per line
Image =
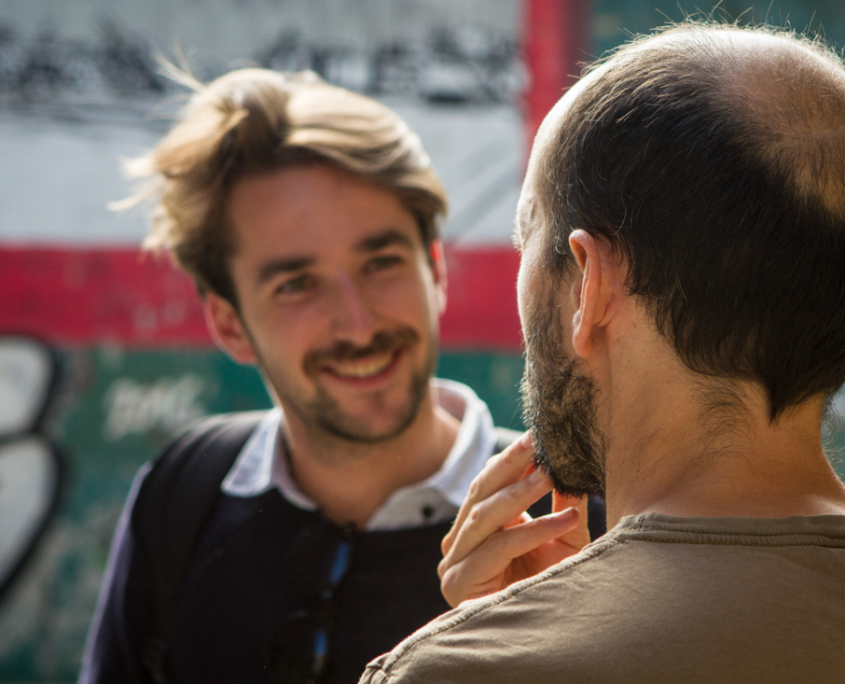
323,414
331,417
559,407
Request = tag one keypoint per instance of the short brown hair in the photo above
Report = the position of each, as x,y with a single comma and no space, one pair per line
255,121
717,169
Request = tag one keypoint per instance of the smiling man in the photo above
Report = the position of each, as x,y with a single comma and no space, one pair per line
296,545
338,303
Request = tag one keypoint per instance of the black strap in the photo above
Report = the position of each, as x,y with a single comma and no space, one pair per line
173,505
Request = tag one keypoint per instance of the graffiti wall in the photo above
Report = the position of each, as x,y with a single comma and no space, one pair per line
104,354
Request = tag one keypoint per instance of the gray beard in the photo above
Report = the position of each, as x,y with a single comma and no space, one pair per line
559,407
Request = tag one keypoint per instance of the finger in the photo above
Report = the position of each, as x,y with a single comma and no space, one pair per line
500,471
484,571
580,536
495,513
561,502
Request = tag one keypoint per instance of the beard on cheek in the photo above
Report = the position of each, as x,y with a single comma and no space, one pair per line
559,407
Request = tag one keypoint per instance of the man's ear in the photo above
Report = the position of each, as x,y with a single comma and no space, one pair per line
591,289
226,328
438,268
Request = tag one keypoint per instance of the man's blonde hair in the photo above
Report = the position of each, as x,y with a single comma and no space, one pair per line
255,121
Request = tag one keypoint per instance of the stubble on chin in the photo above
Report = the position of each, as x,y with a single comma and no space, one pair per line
323,416
326,415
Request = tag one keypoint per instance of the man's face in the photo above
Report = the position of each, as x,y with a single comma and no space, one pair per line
558,395
338,300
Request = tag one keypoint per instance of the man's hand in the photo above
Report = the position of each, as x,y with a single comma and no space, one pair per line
494,542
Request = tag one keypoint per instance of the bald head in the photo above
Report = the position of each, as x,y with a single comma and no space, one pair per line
793,95
713,160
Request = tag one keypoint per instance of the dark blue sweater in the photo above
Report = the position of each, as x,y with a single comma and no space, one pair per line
240,589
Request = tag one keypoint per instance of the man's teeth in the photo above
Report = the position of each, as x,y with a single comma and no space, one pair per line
362,368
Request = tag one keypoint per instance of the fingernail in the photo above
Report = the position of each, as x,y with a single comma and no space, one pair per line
537,476
525,441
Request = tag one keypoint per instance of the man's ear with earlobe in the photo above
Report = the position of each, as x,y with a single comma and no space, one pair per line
438,268
591,289
226,328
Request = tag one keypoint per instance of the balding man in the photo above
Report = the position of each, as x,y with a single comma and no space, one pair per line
682,296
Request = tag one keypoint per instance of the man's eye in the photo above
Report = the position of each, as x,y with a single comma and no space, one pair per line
295,285
380,263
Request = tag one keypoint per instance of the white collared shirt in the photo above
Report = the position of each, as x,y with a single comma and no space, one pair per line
262,464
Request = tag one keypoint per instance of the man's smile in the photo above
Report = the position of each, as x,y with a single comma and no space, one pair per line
374,363
365,367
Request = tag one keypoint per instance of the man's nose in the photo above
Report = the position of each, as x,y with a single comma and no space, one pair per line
352,317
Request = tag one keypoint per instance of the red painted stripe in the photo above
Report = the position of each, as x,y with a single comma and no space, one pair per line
481,312
101,296
556,35
94,296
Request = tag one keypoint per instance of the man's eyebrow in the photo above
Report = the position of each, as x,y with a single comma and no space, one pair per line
276,266
385,239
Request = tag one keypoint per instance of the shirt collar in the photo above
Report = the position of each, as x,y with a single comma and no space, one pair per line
262,465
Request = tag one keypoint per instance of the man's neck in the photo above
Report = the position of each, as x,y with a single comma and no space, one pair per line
350,480
674,454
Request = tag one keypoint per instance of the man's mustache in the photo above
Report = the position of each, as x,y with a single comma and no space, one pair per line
382,342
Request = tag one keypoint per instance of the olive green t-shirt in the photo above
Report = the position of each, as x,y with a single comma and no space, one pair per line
658,599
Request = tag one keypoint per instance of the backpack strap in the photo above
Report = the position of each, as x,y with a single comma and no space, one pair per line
174,502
